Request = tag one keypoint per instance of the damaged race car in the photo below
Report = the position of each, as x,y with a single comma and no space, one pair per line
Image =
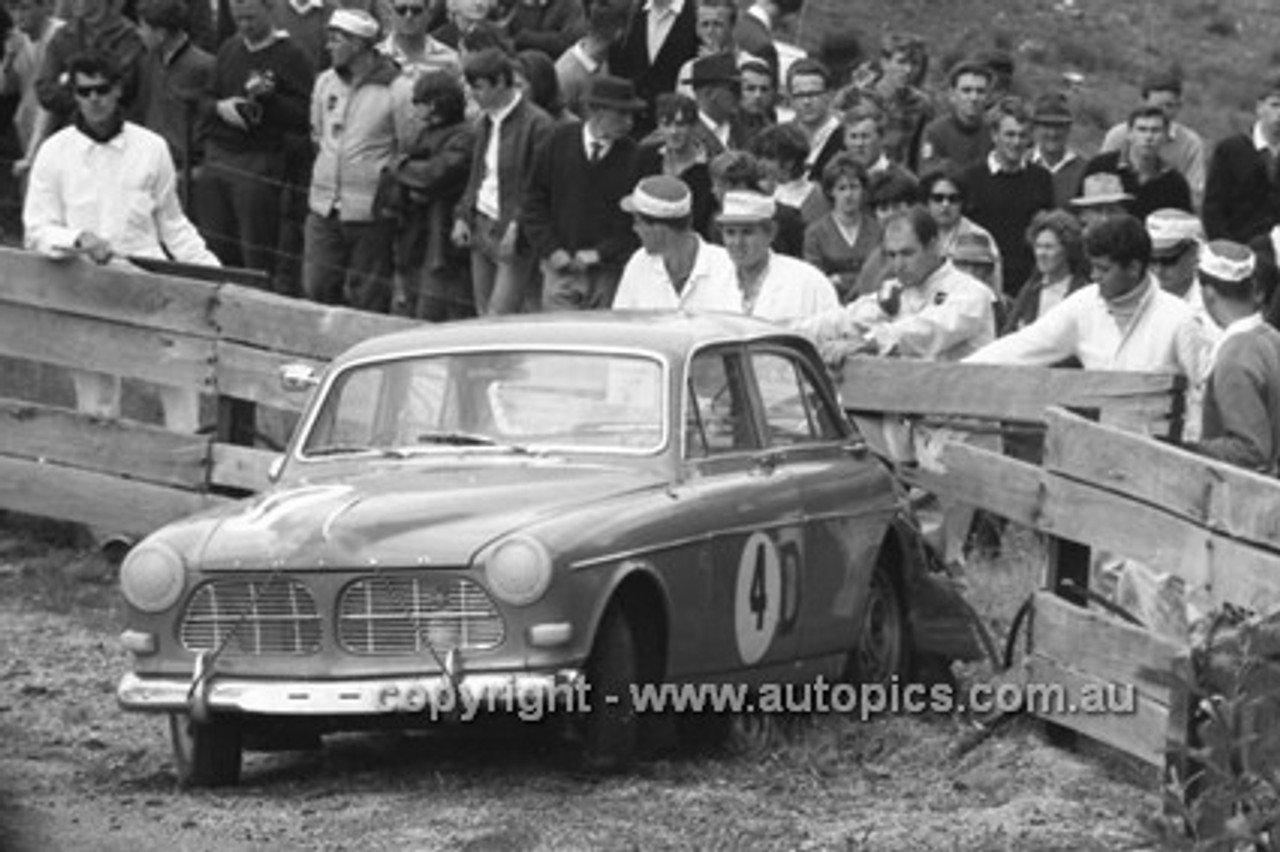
544,511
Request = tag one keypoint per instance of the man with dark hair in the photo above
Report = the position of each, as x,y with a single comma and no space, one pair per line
925,309
1180,146
960,137
809,91
1241,422
174,79
260,91
512,130
1123,321
759,96
660,37
99,26
1153,183
572,215
1005,192
105,189
1242,189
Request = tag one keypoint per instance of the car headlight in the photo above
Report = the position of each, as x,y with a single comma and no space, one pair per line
519,570
152,577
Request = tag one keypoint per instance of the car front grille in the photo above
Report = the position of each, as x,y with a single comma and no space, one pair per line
252,616
386,615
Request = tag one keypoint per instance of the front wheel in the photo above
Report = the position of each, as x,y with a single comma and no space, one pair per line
207,754
883,651
609,728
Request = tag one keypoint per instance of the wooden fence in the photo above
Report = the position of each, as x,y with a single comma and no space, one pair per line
225,340
1105,482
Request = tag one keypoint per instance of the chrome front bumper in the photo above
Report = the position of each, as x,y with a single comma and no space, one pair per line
431,696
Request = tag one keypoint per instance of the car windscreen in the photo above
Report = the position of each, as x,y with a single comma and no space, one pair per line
536,400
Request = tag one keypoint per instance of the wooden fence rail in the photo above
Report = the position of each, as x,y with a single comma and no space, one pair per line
1105,483
223,340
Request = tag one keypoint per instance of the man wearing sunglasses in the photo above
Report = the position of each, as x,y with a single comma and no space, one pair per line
411,47
105,189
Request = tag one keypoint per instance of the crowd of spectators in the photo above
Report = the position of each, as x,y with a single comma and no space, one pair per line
447,158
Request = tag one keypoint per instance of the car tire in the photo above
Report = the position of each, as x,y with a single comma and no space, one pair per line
609,728
883,651
206,754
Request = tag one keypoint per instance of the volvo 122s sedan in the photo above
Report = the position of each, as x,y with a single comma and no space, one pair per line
532,511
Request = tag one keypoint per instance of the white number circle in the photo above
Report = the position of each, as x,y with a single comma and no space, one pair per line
758,600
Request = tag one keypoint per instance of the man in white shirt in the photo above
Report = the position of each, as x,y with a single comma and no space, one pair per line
1176,237
773,286
926,308
674,267
1122,322
106,189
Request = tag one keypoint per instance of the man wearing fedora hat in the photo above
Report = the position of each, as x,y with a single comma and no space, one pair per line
717,87
773,286
674,267
355,109
571,214
1051,121
1101,197
1241,422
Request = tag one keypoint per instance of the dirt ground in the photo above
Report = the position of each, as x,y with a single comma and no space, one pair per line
76,773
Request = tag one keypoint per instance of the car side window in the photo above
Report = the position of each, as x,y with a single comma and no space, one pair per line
718,412
794,408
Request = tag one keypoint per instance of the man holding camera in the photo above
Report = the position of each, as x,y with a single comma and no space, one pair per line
259,103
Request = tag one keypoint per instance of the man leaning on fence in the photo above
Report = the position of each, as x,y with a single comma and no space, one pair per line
104,189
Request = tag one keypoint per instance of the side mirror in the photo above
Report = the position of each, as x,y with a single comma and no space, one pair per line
275,469
298,378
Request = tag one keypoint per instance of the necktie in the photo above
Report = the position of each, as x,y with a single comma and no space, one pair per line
597,151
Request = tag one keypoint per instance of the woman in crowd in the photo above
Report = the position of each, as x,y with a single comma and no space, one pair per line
944,192
840,242
674,150
1057,239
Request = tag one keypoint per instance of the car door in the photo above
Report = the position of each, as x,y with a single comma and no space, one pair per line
750,511
846,504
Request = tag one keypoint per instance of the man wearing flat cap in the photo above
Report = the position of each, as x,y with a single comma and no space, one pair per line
1241,422
572,215
355,109
773,286
674,267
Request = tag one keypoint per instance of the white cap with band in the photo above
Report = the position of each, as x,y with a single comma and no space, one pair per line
1227,261
660,197
356,22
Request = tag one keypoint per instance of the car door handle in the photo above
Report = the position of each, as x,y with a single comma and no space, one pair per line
768,462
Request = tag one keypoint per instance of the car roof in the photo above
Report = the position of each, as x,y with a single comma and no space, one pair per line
671,333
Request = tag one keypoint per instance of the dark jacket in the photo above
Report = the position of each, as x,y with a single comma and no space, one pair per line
1240,200
1005,203
521,137
170,95
629,57
574,204
551,26
432,176
285,113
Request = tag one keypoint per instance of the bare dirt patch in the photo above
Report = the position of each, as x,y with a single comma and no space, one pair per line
77,773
